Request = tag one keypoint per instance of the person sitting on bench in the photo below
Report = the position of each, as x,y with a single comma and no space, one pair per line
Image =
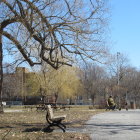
110,103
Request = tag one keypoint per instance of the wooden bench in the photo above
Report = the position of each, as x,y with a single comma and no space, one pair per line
29,107
41,108
54,120
64,107
58,107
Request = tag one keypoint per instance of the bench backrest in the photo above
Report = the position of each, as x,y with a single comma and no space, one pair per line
50,111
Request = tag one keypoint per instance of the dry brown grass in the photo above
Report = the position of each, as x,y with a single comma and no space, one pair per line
28,125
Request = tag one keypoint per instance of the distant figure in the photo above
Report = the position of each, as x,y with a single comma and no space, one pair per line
126,106
111,104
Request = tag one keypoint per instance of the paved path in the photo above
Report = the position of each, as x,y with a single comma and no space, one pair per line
115,125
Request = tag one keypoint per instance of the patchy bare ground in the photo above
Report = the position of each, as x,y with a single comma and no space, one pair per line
28,125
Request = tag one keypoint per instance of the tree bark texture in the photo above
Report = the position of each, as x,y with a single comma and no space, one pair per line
1,73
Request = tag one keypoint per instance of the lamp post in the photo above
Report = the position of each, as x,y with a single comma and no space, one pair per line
118,75
118,69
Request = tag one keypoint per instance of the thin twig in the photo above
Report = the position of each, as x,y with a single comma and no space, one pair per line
6,134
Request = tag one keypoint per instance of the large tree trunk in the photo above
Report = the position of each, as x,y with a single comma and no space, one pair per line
1,74
56,97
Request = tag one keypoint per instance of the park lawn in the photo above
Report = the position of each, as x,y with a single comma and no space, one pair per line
28,125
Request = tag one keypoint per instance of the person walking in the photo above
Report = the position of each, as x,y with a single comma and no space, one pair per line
126,106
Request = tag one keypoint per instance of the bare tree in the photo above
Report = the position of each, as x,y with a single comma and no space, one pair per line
118,70
54,31
118,66
93,81
131,82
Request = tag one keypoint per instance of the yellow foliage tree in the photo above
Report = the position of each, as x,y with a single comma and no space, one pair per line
63,83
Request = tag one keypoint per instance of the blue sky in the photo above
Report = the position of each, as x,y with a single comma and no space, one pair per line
125,29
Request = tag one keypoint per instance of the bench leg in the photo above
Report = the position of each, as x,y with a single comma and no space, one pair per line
61,127
58,124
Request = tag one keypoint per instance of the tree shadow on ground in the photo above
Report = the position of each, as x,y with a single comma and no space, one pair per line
26,127
36,129
15,125
3,127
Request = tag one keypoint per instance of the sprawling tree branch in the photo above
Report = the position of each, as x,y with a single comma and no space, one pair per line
57,31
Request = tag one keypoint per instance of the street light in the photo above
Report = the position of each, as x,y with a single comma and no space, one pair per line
118,74
118,69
